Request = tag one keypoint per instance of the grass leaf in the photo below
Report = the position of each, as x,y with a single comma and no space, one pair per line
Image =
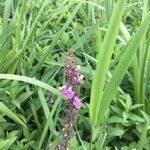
104,61
122,68
5,110
31,81
5,144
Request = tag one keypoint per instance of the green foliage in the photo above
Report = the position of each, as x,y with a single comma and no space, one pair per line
111,40
103,62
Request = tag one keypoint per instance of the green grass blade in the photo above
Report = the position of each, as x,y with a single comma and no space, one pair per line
18,30
139,65
122,68
85,37
43,103
143,138
147,81
108,8
104,61
6,14
143,57
5,110
27,38
44,4
35,116
31,81
57,36
5,144
49,122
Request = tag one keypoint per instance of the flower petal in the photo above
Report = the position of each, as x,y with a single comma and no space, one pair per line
67,92
80,77
77,103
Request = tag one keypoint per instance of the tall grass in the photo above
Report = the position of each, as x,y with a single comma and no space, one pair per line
111,42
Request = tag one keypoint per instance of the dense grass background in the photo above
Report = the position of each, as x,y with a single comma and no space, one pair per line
111,42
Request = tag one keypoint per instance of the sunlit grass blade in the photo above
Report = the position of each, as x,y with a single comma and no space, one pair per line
143,138
147,81
143,58
5,144
121,68
139,65
31,81
108,8
104,61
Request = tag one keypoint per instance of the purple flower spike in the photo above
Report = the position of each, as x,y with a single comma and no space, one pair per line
77,68
63,87
71,92
81,76
67,92
77,103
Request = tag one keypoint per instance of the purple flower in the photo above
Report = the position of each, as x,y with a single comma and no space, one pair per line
77,102
67,92
71,92
77,79
80,77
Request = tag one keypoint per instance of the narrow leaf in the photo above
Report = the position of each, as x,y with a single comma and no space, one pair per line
122,68
5,110
31,81
5,144
104,61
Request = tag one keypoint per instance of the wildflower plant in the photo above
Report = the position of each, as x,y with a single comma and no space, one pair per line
71,91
